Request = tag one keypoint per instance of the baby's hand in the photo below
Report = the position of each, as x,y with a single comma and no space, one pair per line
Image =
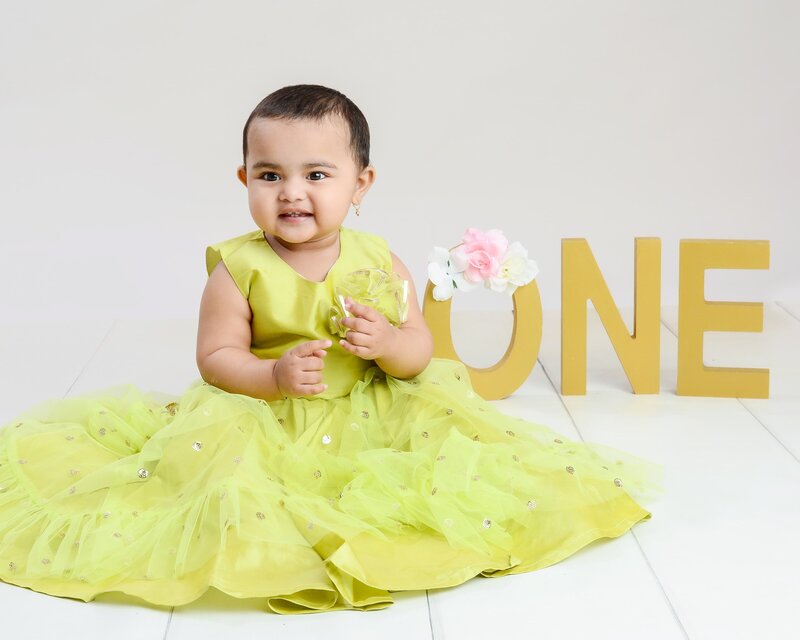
370,335
298,372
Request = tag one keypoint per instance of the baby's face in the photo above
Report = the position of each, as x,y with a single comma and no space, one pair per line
302,166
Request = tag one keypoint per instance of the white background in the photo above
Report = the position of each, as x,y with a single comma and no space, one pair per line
120,133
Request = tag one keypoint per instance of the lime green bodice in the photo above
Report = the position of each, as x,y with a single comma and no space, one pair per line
289,309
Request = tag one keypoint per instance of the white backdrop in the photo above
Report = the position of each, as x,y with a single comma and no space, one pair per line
120,133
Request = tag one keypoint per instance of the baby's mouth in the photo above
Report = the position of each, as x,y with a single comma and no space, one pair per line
295,214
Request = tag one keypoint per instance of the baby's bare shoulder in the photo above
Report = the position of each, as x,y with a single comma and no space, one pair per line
225,315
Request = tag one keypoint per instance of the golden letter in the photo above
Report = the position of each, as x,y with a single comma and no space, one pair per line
505,377
580,280
696,315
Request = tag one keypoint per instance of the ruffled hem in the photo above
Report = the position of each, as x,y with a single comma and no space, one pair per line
312,504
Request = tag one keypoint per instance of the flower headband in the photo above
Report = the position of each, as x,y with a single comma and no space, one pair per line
481,257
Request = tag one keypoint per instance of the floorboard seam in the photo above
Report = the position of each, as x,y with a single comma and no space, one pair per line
641,550
430,615
767,429
660,586
91,358
169,623
780,306
561,399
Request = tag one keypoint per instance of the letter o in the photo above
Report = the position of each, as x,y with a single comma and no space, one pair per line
507,375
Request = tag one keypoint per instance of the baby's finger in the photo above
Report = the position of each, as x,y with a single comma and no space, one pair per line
357,324
309,377
313,389
354,349
307,348
357,338
361,310
312,363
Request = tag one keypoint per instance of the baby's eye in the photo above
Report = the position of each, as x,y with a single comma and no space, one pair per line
267,175
317,173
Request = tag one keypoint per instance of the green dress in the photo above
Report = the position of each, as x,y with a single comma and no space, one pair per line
318,503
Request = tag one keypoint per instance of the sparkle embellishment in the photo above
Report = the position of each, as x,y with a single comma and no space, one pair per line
441,457
102,431
558,441
476,437
237,459
260,515
74,472
449,412
433,491
365,414
448,522
424,434
172,408
326,439
310,525
22,461
618,482
510,432
72,489
70,437
570,469
102,412
143,473
206,412
197,445
117,534
45,560
402,487
135,514
354,426
281,421
317,473
487,523
470,394
531,504
458,377
515,457
223,494
476,477
12,566
107,514
605,467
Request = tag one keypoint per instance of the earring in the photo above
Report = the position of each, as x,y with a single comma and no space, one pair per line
357,209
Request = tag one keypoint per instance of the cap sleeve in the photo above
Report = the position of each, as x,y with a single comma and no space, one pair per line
235,261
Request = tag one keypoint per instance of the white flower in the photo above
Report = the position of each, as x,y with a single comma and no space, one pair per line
516,270
440,274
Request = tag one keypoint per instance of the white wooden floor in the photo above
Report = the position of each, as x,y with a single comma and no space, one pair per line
719,559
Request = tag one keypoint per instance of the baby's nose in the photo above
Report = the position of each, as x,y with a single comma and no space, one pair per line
293,189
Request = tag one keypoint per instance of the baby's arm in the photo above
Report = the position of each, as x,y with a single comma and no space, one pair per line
223,349
402,351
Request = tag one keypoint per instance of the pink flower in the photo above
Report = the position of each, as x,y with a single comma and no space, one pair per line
479,255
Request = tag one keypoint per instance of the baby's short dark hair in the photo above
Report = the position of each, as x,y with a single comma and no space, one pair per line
315,102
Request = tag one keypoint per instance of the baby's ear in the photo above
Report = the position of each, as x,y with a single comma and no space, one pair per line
241,173
366,178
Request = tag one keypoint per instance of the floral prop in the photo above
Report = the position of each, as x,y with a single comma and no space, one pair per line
385,292
481,257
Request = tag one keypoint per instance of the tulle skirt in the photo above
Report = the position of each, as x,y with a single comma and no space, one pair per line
310,503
